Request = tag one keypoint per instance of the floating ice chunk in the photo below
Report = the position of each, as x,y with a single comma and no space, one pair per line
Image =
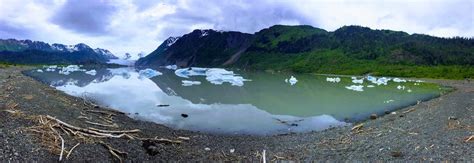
388,101
401,87
190,83
39,70
398,80
216,76
419,81
370,86
416,83
91,72
371,78
358,88
333,80
292,80
192,71
286,80
357,81
379,81
68,69
409,90
149,73
171,67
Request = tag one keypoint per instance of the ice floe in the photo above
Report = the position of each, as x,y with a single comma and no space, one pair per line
190,83
69,69
171,67
215,76
333,80
388,101
39,70
398,80
149,73
357,81
401,87
358,88
370,86
292,80
91,72
379,81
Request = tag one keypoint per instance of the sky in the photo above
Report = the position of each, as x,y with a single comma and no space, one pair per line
140,26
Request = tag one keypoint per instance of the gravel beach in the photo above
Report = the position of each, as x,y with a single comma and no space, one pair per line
434,130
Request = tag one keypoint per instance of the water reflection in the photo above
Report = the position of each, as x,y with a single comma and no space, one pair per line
265,105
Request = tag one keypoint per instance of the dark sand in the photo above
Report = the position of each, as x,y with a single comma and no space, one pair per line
424,133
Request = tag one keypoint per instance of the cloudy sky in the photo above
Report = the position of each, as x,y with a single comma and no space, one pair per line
141,25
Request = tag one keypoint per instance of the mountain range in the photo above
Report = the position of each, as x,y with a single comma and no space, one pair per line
347,50
37,52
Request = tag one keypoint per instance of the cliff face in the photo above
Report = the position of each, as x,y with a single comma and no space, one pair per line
199,48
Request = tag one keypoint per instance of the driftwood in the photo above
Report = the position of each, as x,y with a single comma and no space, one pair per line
357,127
89,132
70,151
114,151
62,142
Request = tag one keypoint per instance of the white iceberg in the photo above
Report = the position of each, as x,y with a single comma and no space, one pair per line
39,70
292,80
398,80
68,69
149,73
171,67
357,81
358,88
333,80
91,72
388,101
370,86
190,83
216,76
379,81
401,87
192,71
409,90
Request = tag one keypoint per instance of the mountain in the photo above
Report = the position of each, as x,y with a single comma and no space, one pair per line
199,48
37,52
347,50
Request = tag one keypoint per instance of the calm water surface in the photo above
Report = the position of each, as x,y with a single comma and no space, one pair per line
265,105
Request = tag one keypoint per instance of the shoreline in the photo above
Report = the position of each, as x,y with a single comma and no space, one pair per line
389,137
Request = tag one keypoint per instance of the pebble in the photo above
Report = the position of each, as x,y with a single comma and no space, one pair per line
184,115
373,116
232,150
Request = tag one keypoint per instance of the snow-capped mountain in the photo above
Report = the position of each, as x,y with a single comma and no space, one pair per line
18,51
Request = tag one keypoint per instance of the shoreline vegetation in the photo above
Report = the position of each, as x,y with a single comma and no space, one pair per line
44,124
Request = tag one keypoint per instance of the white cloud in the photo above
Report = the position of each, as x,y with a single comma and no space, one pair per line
140,25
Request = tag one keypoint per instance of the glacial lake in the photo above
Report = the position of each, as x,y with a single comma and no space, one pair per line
241,102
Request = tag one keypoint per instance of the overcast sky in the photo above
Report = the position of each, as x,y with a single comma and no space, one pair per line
141,25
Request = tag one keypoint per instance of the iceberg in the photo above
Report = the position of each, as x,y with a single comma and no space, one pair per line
39,70
91,72
358,88
333,80
68,69
190,83
292,80
215,76
149,73
171,67
398,80
370,86
401,87
379,81
357,81
192,71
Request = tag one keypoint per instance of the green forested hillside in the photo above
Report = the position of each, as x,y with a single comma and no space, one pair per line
348,50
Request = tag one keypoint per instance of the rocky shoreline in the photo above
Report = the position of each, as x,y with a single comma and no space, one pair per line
434,130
